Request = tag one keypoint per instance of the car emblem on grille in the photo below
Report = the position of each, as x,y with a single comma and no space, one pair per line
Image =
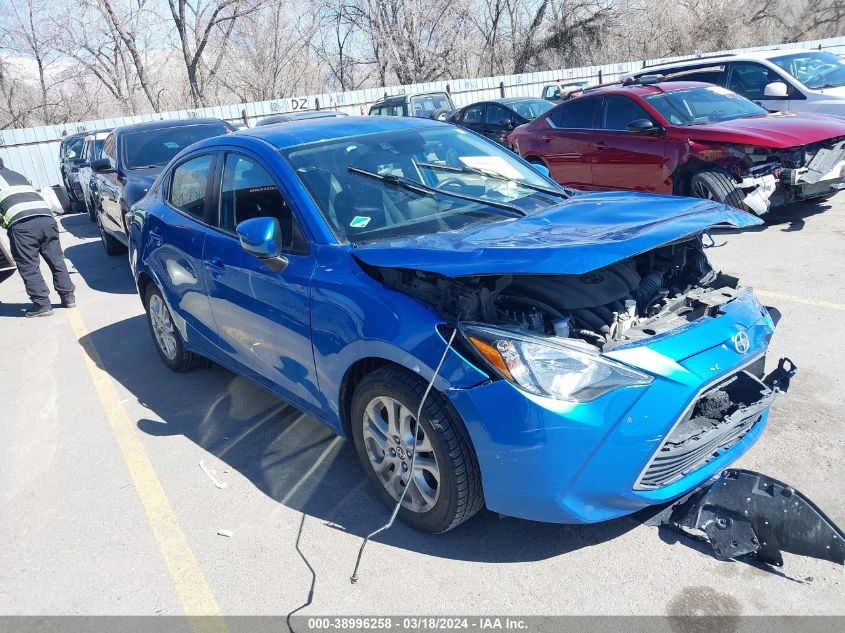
741,342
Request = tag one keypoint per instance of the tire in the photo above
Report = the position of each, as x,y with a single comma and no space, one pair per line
457,495
440,114
112,245
715,184
166,338
61,194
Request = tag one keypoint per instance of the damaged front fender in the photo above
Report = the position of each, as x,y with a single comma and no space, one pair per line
747,513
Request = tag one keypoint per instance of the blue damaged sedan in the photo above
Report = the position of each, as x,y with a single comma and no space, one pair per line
483,336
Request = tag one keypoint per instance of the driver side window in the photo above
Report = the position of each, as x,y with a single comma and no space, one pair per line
618,112
248,191
497,116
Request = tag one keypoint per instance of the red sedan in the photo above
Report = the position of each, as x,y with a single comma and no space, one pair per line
687,138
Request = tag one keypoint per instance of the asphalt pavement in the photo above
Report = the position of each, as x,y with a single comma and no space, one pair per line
107,510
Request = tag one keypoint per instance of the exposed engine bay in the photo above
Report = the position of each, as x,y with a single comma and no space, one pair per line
651,293
801,172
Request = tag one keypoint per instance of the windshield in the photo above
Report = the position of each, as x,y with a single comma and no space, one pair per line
364,186
815,70
155,148
73,148
531,108
695,106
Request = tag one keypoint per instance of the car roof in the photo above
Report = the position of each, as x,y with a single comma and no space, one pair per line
641,89
330,128
503,101
298,116
508,100
166,123
402,97
722,58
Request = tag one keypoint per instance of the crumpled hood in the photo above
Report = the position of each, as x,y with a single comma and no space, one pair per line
585,233
777,131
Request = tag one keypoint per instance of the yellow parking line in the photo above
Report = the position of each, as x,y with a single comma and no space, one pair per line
810,302
191,586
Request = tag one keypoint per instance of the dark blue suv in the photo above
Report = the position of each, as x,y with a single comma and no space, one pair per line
483,335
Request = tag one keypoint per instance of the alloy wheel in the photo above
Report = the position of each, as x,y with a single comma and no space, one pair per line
391,435
162,324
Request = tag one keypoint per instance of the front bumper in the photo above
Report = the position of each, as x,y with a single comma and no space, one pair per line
563,462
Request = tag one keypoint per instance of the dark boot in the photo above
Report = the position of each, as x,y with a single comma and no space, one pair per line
68,301
36,310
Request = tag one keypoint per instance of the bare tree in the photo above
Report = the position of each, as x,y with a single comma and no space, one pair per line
124,25
196,21
26,31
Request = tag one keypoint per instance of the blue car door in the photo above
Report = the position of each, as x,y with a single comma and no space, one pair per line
263,317
176,234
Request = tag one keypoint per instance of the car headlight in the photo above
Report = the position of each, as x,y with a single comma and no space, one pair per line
553,367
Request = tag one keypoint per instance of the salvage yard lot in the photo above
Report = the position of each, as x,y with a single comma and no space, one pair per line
106,509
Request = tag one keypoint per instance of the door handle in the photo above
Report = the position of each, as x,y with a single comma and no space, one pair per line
547,137
215,265
601,145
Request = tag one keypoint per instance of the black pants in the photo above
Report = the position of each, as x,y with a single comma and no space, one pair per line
29,238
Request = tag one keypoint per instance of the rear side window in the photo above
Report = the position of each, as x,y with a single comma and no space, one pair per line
248,191
188,186
618,111
579,114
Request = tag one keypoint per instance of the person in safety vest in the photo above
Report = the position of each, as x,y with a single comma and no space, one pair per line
32,233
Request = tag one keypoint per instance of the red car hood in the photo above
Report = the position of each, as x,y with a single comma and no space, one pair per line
774,130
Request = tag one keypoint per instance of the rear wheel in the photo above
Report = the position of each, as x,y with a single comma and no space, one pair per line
716,185
445,486
166,336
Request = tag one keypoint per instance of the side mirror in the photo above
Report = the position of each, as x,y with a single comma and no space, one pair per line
642,126
776,90
102,166
262,237
542,169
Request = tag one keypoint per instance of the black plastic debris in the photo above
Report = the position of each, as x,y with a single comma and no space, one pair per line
747,513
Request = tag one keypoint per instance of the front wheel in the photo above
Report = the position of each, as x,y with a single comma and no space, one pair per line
444,489
168,341
716,185
112,245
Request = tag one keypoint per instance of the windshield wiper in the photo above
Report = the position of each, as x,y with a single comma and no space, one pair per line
412,185
565,193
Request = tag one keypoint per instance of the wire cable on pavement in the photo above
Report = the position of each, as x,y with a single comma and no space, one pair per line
354,578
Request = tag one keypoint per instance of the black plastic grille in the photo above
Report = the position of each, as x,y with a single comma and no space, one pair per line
718,419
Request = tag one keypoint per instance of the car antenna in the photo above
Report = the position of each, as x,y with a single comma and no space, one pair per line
354,578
